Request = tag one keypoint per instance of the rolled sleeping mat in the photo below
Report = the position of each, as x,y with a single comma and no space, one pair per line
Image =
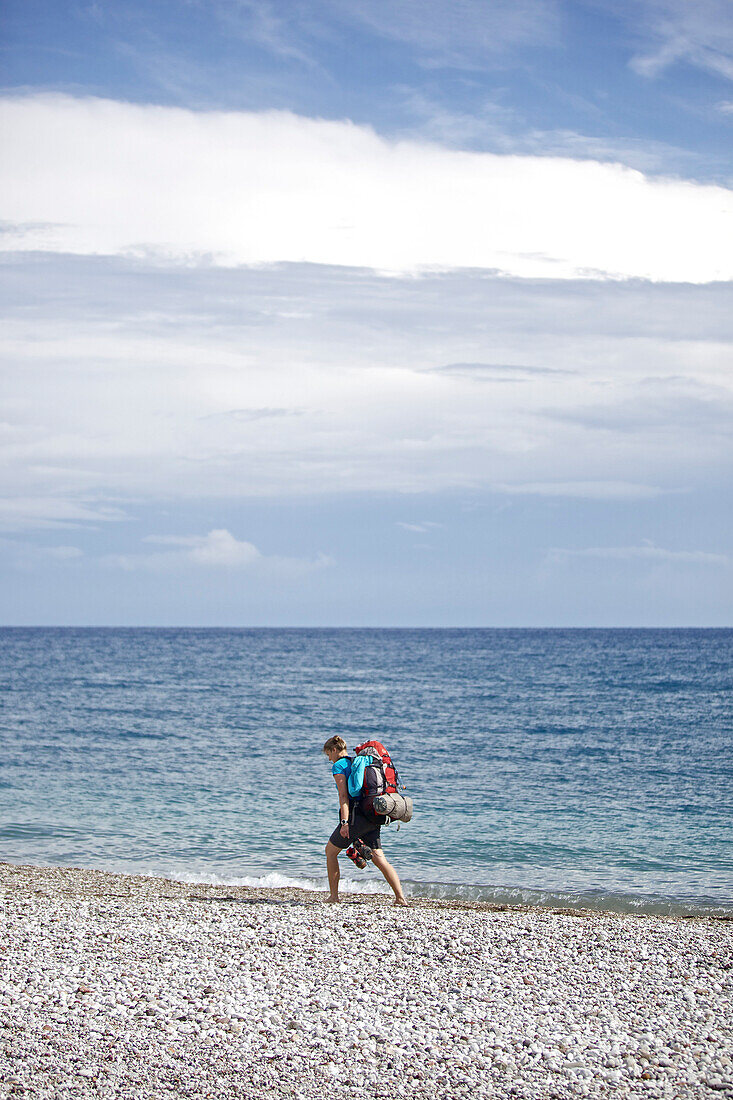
407,812
397,807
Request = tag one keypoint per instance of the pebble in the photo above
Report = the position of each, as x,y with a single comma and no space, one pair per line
142,988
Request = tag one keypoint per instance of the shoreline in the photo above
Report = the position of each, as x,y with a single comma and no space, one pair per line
181,887
139,987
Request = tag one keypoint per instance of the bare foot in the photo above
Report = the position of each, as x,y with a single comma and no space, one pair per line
402,902
333,901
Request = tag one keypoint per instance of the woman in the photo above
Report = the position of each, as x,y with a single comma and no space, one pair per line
362,826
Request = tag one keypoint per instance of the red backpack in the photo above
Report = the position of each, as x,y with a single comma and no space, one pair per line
379,775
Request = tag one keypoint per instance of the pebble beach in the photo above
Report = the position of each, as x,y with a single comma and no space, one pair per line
122,986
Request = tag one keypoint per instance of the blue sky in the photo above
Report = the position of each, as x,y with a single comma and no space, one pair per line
362,313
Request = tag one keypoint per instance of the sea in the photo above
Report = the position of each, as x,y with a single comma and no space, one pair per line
559,768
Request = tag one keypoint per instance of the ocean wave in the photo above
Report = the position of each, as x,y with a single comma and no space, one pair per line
39,830
598,901
273,880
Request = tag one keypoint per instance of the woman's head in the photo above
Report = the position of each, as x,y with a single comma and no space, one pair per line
335,746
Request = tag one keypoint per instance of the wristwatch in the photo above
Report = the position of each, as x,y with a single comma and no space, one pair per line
342,822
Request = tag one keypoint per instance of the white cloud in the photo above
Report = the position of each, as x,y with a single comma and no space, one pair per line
494,127
245,188
699,33
462,33
26,555
497,372
64,553
219,549
588,490
23,513
419,528
125,387
272,26
646,552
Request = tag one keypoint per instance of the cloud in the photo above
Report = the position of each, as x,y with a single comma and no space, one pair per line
660,405
274,27
462,33
233,188
27,555
218,550
419,528
699,34
587,490
127,388
494,127
246,416
497,372
646,552
64,553
35,232
22,513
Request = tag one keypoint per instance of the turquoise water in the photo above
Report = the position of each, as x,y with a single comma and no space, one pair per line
588,767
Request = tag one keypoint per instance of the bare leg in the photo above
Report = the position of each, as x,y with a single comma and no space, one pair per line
380,861
332,867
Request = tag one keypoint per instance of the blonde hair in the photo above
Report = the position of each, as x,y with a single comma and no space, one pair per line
335,743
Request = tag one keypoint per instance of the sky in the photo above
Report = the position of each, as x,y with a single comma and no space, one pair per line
362,313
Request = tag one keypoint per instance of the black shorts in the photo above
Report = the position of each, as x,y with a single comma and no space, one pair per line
361,828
